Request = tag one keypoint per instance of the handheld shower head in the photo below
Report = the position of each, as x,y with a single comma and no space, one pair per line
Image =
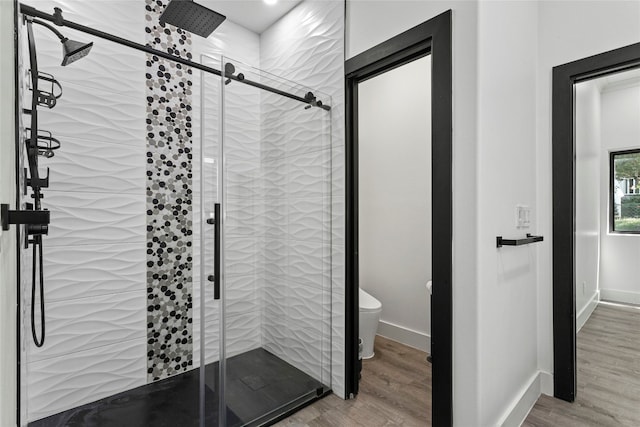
192,17
73,50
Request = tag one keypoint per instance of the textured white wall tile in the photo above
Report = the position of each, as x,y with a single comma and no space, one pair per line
230,39
241,256
109,66
273,295
289,129
274,336
309,263
306,308
304,351
93,270
244,217
338,172
212,307
243,180
61,383
275,219
242,333
274,176
91,166
91,218
121,17
84,323
308,175
306,46
206,102
338,272
242,124
211,339
309,220
275,258
338,221
96,115
241,295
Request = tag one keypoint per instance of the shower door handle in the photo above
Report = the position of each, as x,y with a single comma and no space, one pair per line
217,217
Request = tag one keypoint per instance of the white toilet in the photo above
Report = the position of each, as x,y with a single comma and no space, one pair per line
370,309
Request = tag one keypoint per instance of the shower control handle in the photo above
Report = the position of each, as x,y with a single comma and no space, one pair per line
37,219
216,247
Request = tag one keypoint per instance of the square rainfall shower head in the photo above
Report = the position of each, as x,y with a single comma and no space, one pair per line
192,17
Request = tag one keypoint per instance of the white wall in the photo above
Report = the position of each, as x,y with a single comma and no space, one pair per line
372,22
619,268
588,176
394,184
507,36
564,38
503,55
8,288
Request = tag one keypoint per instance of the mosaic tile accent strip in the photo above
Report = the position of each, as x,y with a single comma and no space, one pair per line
169,200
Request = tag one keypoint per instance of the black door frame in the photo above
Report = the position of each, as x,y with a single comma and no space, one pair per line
434,38
563,170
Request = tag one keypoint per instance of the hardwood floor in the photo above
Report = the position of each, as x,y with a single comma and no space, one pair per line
608,356
395,390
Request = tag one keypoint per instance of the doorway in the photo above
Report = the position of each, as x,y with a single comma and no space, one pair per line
433,39
565,77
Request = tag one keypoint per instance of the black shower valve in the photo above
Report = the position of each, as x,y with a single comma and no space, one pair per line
37,221
37,229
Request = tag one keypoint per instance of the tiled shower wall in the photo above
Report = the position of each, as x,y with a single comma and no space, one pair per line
307,46
96,271
96,254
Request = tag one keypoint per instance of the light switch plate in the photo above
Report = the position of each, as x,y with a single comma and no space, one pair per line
523,216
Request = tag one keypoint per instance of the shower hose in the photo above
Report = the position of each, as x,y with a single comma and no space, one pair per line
37,273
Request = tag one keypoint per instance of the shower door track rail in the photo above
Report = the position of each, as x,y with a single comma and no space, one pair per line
33,12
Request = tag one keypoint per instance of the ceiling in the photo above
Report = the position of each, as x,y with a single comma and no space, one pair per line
254,15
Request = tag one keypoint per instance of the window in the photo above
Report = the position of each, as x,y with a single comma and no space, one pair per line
625,191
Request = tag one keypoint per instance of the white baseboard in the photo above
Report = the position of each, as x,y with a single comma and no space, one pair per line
406,336
587,310
519,408
624,297
546,383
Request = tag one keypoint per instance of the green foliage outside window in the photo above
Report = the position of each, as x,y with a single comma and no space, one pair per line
626,189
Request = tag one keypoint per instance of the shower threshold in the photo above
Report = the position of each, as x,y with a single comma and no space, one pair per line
260,388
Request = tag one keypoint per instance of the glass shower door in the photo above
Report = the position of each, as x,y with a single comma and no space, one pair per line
206,300
276,245
262,328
